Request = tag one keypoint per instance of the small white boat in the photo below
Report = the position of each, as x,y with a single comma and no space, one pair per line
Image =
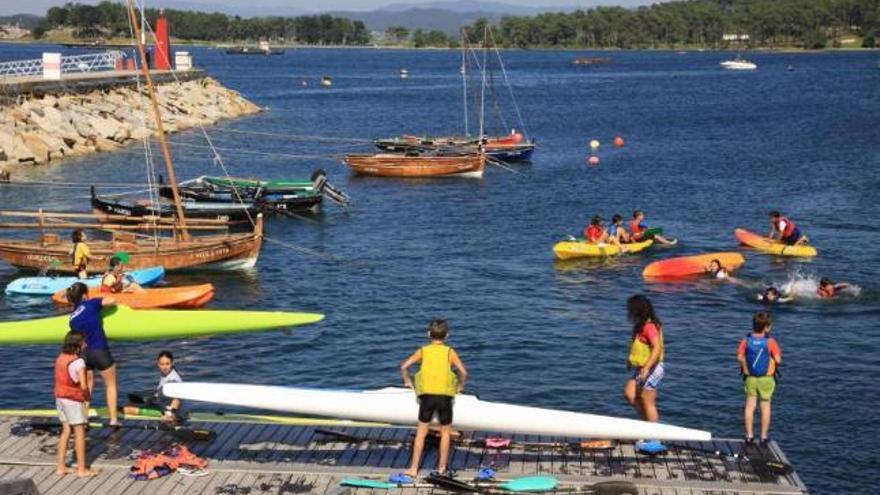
326,81
739,64
399,406
404,73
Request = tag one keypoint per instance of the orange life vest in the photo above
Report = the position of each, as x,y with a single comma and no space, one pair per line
65,387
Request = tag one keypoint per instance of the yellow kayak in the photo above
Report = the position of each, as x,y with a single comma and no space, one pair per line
566,250
767,245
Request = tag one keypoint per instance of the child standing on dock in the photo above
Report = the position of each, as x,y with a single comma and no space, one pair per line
645,359
436,385
759,355
71,396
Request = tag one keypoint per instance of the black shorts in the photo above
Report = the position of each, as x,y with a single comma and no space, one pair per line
441,405
98,359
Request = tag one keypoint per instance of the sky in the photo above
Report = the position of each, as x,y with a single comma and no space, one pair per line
294,7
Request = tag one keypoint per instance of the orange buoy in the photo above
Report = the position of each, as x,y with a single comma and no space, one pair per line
619,142
593,160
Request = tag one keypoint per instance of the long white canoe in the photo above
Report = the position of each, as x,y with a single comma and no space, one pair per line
399,406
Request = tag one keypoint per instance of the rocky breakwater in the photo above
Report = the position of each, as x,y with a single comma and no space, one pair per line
39,130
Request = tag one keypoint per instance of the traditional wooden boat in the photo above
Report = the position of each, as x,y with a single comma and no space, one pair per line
263,195
107,206
511,148
392,165
191,244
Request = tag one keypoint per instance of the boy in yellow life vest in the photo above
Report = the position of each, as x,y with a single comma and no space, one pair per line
436,385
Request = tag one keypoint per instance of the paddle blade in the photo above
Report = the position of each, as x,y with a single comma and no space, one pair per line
530,484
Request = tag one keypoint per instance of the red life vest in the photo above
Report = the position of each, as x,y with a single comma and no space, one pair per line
593,233
65,387
827,292
635,227
789,227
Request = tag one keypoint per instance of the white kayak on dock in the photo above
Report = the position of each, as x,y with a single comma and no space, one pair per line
399,406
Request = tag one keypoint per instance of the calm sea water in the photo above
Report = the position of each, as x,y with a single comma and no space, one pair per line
707,151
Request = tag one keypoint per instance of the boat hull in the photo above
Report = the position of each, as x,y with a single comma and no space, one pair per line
688,266
567,250
46,286
770,246
105,209
122,323
186,297
400,406
232,250
417,166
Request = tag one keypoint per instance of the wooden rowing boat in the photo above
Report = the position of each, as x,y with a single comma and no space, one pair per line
391,165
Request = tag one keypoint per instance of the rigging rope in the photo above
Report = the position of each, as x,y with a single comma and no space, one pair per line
522,124
295,137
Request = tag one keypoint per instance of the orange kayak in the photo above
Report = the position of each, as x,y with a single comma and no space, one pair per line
188,296
692,265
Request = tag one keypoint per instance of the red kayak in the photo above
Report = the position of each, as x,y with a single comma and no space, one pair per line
687,266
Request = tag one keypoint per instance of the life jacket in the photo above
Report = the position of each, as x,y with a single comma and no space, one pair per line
115,287
758,358
150,465
65,387
635,226
829,291
640,352
593,233
435,376
789,227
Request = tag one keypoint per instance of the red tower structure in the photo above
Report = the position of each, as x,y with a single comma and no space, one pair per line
162,57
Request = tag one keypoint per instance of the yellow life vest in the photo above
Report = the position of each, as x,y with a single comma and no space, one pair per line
640,352
435,376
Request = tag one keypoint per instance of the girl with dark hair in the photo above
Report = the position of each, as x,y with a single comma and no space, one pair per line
168,374
645,358
86,318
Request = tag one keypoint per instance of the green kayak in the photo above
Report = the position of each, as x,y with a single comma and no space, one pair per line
124,323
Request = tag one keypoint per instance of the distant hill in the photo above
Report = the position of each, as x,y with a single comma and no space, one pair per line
27,21
428,19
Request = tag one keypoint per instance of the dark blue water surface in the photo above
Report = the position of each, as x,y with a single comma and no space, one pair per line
707,151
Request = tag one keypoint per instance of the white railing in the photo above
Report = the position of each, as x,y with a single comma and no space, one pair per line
71,64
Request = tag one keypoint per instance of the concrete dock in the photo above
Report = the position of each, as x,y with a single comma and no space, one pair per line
85,82
266,457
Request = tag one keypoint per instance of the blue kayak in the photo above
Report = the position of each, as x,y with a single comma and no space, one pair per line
46,286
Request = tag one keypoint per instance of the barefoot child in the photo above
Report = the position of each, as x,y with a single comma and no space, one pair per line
168,374
71,395
759,355
645,362
436,385
80,254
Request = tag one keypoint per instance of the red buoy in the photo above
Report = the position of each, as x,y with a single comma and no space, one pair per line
593,160
619,142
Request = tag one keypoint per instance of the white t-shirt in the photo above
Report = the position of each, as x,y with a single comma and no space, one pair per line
74,368
172,377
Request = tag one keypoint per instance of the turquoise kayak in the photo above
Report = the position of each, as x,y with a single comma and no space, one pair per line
46,286
124,323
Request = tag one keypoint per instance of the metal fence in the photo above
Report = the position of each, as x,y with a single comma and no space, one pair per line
71,64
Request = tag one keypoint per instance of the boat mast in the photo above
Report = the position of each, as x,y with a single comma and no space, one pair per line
483,85
160,128
464,99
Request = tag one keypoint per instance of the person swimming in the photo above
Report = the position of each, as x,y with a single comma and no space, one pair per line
828,289
716,270
773,295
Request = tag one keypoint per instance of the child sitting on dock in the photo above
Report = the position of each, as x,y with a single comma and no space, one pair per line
759,355
616,232
71,396
641,231
168,374
784,230
115,280
436,385
595,232
80,254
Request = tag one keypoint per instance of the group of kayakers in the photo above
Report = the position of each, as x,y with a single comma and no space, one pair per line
617,232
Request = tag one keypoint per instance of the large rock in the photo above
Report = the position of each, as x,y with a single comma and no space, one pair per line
37,145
